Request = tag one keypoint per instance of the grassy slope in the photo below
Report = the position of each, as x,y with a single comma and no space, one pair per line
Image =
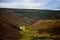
42,24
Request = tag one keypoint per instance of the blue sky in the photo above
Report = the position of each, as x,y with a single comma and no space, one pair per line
31,4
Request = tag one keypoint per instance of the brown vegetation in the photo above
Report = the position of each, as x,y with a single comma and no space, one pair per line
50,26
8,33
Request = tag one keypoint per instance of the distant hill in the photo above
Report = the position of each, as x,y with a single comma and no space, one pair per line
28,16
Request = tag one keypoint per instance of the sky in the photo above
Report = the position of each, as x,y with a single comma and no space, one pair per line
31,4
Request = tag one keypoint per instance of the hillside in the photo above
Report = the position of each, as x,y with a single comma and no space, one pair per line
50,26
36,23
28,16
7,32
42,24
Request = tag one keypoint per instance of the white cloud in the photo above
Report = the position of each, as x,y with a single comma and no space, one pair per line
21,4
29,4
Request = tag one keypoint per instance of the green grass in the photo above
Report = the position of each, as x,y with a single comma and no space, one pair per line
32,35
46,38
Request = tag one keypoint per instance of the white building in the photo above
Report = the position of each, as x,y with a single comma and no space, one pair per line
22,27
